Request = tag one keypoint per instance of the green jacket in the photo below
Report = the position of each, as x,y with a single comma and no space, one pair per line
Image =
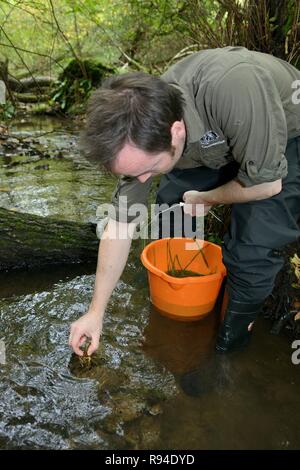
238,106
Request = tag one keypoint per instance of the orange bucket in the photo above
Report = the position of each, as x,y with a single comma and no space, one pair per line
184,298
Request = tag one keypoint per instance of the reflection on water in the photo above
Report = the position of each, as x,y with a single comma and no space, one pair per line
130,397
179,346
259,409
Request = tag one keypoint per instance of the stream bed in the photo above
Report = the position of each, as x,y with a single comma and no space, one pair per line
130,397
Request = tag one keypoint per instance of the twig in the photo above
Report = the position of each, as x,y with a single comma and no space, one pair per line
81,65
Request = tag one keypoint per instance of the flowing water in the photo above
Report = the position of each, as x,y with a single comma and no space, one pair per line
130,397
45,174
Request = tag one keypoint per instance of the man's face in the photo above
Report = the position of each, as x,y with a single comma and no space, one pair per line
137,163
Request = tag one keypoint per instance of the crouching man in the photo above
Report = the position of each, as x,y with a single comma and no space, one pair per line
222,127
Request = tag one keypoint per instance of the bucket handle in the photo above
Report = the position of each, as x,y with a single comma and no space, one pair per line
175,286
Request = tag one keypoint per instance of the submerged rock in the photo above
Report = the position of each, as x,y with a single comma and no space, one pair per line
143,433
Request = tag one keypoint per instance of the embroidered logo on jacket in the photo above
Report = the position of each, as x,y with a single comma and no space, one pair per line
210,138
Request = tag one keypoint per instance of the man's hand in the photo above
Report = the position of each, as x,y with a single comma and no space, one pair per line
90,326
194,198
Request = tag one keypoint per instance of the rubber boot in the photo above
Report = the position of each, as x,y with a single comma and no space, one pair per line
234,334
236,328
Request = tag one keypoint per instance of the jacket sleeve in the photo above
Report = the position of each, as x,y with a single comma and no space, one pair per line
248,108
128,197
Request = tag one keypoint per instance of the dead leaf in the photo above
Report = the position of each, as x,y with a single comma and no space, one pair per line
297,316
295,261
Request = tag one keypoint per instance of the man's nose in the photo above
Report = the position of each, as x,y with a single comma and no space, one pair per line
144,178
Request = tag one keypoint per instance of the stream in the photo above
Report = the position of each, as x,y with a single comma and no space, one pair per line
130,397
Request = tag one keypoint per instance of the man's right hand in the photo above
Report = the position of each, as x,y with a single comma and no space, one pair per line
87,326
113,253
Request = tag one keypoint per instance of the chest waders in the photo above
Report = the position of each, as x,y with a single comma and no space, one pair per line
252,250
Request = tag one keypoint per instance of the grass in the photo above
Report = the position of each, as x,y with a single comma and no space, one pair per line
183,271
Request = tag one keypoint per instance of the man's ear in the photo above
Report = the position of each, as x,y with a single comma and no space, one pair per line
178,131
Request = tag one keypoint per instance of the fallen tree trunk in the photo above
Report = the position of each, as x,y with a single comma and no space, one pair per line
28,241
30,98
26,84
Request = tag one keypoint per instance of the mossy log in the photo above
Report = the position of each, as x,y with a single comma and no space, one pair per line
31,98
28,241
26,84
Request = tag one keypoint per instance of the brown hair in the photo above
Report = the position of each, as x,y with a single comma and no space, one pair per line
133,107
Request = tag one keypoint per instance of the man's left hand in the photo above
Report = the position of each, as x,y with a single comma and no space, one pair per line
192,199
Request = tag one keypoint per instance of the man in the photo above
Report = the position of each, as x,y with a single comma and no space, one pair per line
223,128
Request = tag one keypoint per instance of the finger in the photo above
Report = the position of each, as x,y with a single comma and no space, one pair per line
71,335
188,209
93,346
207,209
77,340
82,340
73,328
194,210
